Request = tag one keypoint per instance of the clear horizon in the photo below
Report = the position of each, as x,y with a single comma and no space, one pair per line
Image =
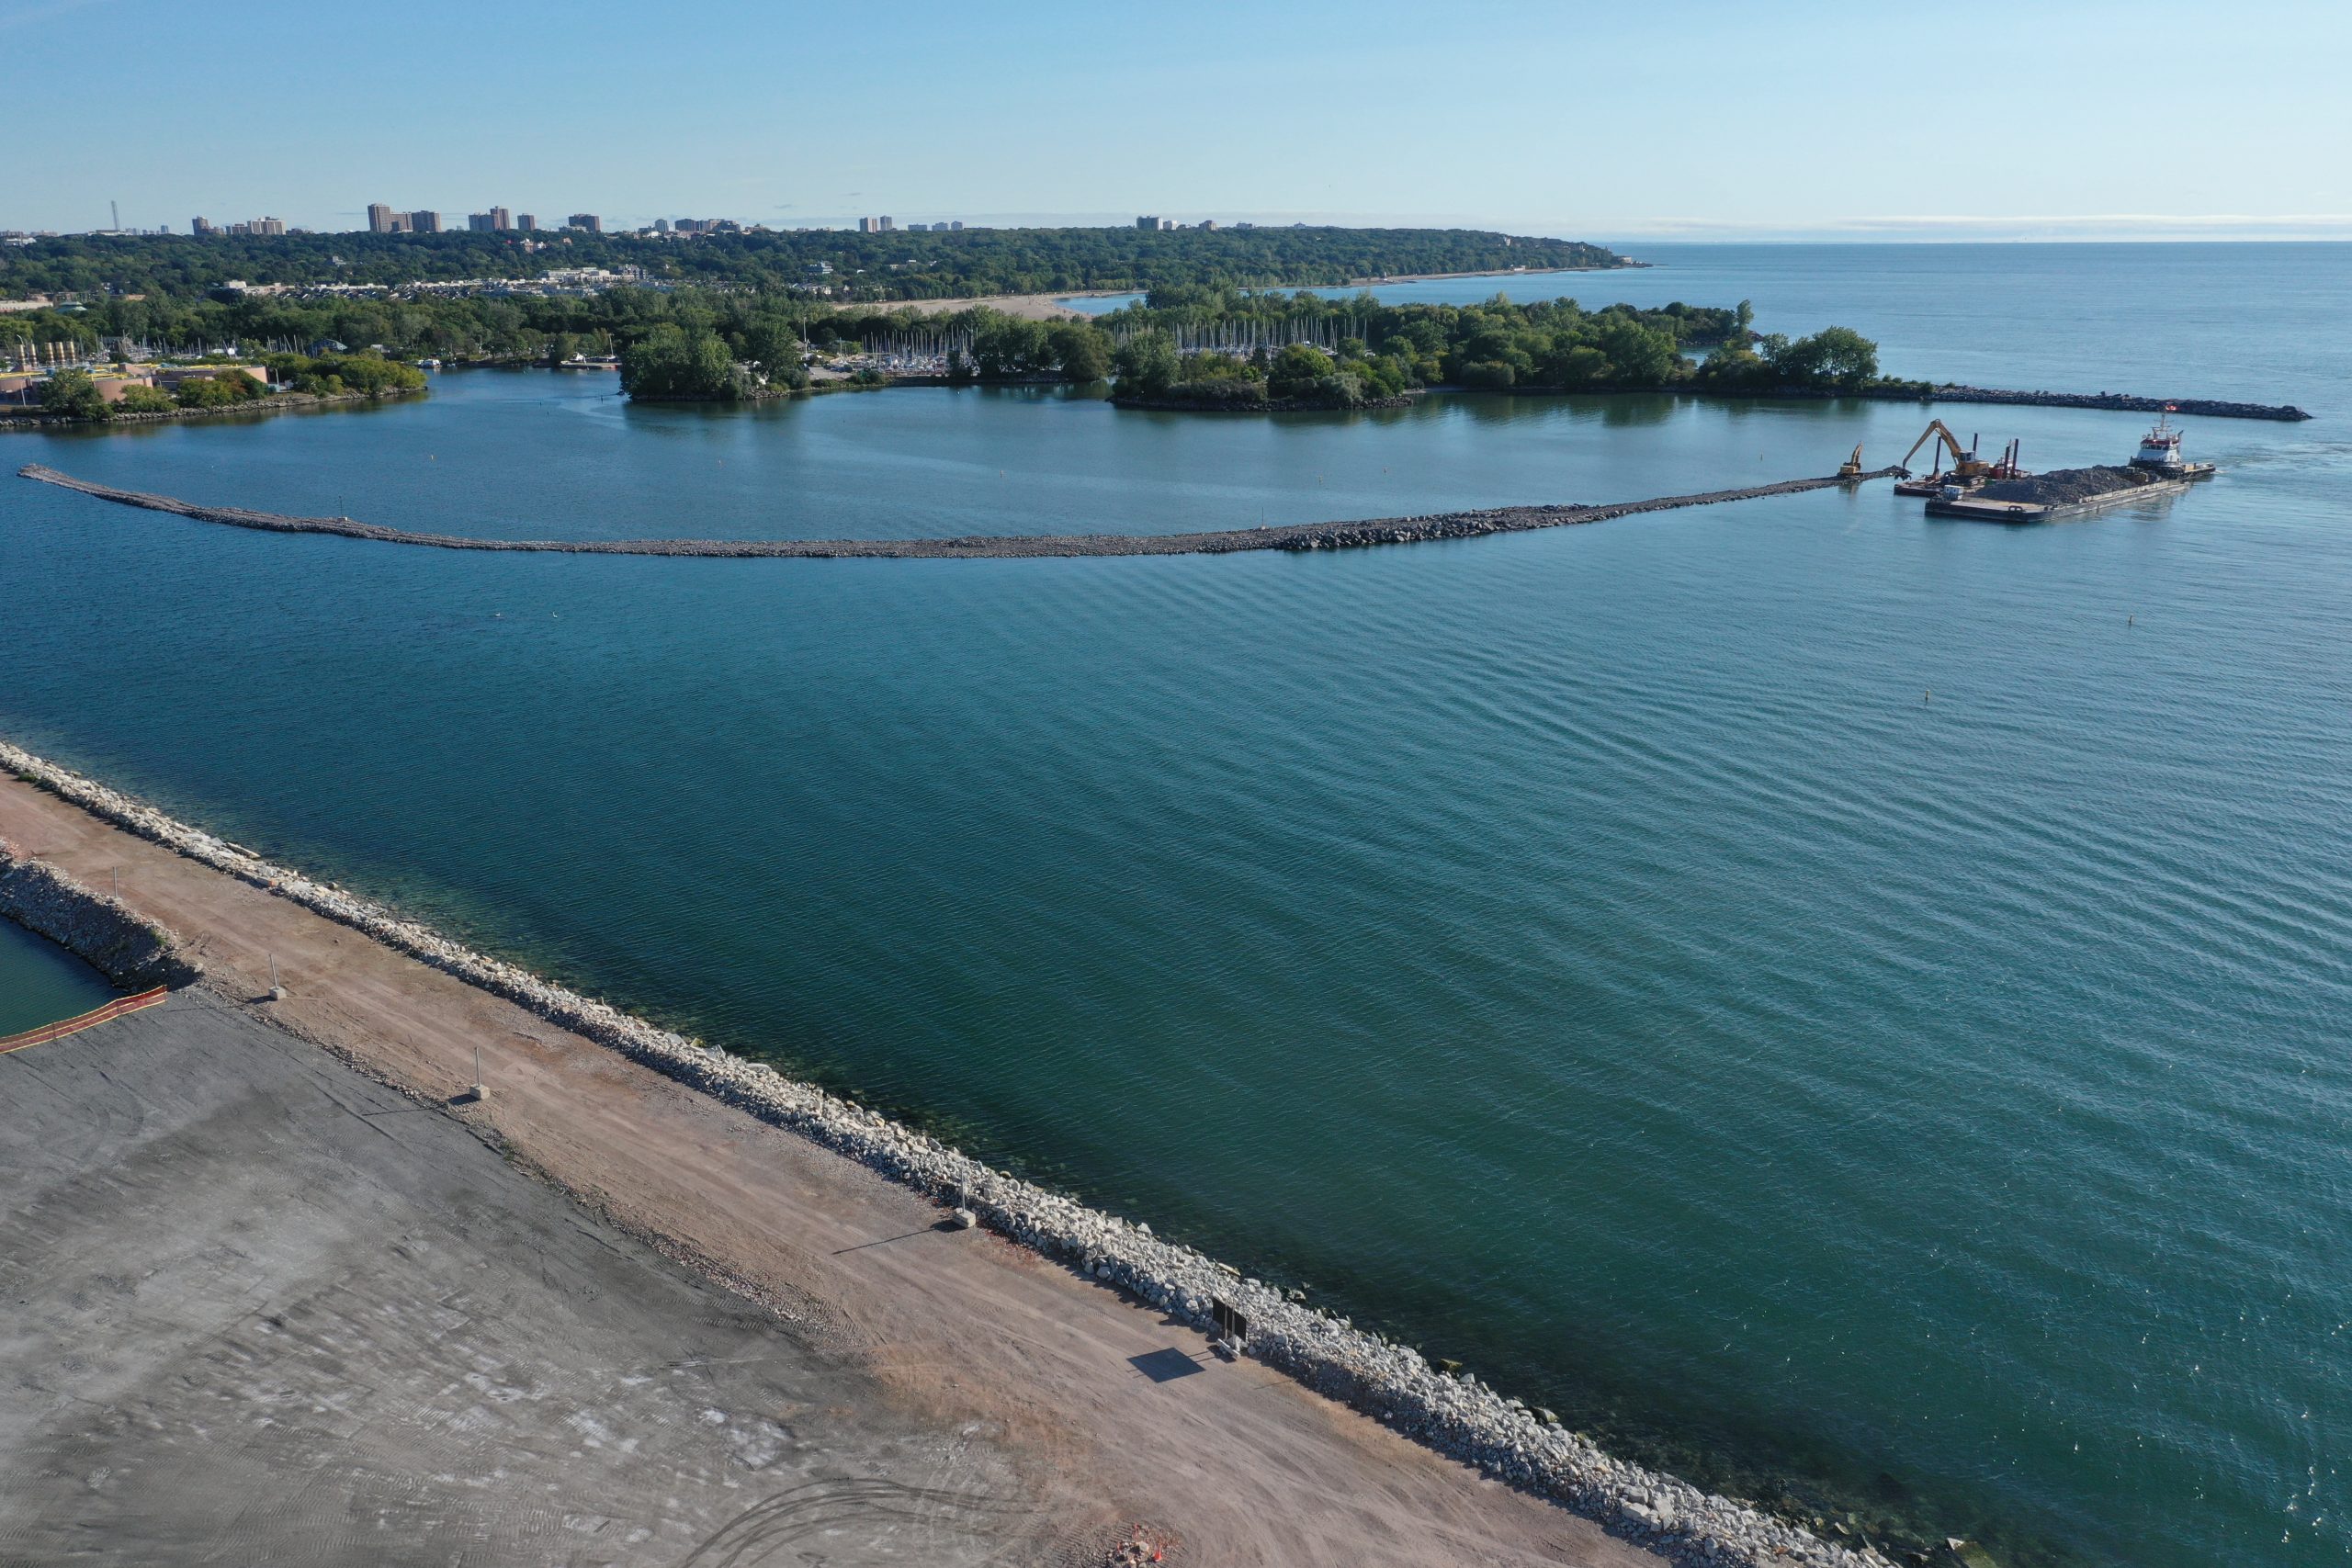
1607,128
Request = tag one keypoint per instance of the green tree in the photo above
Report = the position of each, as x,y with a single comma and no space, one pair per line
217,392
73,395
1845,357
1638,355
144,399
1735,367
1147,362
1296,369
1581,365
1004,346
1081,349
772,344
674,364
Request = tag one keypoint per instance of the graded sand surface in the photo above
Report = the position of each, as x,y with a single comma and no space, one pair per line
263,1310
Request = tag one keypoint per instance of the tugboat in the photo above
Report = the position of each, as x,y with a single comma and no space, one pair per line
2160,453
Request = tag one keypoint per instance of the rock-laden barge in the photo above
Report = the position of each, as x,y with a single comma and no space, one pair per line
2015,496
2056,495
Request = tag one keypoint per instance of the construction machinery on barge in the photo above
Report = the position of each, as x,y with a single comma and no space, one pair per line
1966,469
2157,469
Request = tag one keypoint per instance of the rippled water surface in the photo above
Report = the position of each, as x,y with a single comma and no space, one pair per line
1807,991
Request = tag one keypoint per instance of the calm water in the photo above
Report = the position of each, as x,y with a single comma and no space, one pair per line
1586,952
40,982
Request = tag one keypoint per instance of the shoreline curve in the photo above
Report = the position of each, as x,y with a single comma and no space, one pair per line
1456,1415
1345,534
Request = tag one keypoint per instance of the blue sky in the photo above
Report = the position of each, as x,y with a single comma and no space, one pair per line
1688,119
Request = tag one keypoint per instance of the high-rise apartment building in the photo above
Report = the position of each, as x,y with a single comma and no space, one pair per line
585,220
379,218
869,225
424,221
201,228
526,222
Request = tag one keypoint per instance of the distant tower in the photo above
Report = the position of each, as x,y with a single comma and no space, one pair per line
115,207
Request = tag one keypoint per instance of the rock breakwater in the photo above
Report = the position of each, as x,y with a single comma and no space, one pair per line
1295,536
281,402
1452,1412
126,950
2207,408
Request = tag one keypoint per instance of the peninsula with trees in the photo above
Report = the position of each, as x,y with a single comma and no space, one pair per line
1226,322
1233,350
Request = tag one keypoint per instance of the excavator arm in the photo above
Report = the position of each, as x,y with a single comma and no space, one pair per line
1936,431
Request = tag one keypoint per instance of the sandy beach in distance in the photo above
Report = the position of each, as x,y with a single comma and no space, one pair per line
1028,307
1049,306
1507,272
336,1274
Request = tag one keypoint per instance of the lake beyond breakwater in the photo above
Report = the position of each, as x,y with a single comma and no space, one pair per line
1586,952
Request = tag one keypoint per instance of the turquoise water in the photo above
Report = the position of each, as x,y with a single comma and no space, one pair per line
40,982
1591,954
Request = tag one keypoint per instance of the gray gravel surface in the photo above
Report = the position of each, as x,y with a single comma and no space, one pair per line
261,1309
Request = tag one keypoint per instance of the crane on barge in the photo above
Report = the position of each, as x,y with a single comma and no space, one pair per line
1967,471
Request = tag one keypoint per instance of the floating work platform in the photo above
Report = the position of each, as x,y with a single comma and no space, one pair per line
2061,494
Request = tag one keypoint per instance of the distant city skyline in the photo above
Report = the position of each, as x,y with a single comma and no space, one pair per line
1698,119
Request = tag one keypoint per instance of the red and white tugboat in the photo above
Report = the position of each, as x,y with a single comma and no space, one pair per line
2160,453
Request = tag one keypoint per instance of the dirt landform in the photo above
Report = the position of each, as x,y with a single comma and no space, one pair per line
287,1290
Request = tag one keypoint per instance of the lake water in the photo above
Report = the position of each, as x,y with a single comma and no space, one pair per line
40,982
1593,954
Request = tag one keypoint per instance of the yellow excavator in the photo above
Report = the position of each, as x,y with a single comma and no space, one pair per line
1967,471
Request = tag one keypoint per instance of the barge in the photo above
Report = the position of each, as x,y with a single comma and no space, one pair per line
2054,496
2156,470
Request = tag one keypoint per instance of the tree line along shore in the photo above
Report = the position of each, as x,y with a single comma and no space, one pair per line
814,263
730,318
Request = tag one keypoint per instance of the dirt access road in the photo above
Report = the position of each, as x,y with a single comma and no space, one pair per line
1001,1388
